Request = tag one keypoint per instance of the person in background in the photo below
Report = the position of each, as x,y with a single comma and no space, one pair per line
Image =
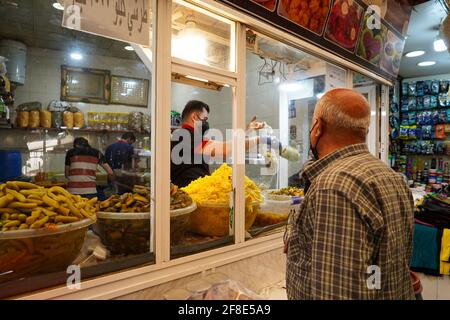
195,119
119,155
81,167
352,237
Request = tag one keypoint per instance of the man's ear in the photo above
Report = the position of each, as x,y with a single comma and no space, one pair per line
320,127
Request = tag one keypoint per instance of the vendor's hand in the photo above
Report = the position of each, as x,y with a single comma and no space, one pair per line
256,125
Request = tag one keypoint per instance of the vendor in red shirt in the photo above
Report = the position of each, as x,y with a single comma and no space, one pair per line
187,168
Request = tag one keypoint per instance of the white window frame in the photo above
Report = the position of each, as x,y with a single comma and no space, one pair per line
159,60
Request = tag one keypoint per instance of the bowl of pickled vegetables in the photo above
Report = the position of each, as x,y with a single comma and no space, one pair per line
212,196
29,252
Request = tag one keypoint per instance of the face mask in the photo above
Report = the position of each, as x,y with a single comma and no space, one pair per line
205,126
313,149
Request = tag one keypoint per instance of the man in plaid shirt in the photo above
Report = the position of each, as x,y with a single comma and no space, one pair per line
352,237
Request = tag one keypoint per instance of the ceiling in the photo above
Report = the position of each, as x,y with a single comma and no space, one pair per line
422,31
37,24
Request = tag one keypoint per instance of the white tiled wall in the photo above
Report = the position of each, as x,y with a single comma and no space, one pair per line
43,77
42,84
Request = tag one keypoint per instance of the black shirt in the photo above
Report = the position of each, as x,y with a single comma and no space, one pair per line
189,169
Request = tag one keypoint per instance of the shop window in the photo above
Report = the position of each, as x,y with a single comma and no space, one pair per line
201,166
283,85
70,85
202,37
371,90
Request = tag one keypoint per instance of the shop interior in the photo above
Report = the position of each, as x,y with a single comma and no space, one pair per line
63,84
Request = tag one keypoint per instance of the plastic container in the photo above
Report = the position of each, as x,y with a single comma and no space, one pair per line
29,252
198,289
273,212
179,223
124,233
212,219
11,161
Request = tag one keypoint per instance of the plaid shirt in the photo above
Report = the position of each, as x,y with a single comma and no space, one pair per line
356,213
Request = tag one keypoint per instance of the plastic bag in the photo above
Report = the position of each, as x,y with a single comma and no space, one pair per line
56,105
30,106
135,121
230,290
146,123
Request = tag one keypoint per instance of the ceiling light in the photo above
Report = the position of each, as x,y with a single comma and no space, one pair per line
58,6
426,63
76,56
414,54
129,48
439,45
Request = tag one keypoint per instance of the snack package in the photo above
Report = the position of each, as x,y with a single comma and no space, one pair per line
427,87
420,88
393,121
411,118
412,89
426,102
419,133
403,132
394,107
443,86
434,87
412,103
440,131
404,104
405,89
419,103
435,117
442,99
427,132
419,118
443,116
412,132
433,102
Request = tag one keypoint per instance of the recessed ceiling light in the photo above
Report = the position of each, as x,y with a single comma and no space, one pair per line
426,63
129,48
439,45
58,6
76,56
414,54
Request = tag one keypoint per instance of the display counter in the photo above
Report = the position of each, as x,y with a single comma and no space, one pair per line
142,233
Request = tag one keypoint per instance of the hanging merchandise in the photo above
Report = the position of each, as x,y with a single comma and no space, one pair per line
440,131
435,87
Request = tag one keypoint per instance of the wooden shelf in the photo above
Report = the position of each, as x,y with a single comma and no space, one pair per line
87,130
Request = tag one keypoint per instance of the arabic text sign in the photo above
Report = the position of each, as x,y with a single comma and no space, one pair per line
126,20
